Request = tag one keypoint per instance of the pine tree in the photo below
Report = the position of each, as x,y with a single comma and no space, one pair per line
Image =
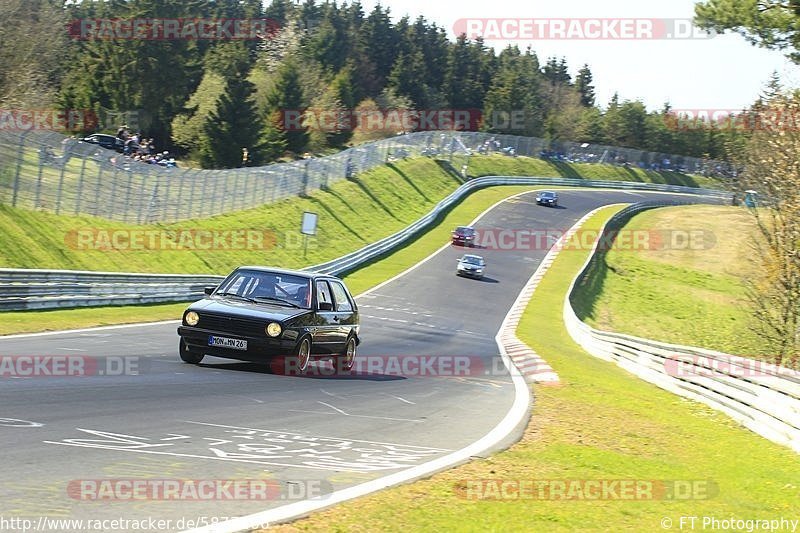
408,78
379,39
287,98
233,126
583,83
513,103
188,128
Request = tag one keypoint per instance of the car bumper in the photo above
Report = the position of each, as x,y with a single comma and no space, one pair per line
470,273
258,348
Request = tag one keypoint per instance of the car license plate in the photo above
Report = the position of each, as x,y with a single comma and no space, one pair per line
224,342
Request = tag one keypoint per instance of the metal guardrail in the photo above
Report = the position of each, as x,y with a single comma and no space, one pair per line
50,289
764,398
23,289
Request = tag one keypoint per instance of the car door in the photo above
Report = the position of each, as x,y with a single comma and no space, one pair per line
345,316
326,335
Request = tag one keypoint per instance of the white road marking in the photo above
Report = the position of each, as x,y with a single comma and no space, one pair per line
416,421
18,423
334,408
265,447
177,437
321,437
323,391
401,399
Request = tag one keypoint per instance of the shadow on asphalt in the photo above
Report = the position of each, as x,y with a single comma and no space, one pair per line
318,370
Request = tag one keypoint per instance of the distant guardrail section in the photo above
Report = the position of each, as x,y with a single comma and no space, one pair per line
763,397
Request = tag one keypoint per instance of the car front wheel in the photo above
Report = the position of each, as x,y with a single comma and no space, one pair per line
303,354
187,356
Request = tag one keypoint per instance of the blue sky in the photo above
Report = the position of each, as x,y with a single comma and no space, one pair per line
724,72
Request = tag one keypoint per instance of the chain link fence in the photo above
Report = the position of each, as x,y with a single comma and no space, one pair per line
47,171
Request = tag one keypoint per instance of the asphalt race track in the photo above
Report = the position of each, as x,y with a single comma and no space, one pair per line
225,420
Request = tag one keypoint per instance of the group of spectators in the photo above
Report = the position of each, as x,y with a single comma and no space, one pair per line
143,150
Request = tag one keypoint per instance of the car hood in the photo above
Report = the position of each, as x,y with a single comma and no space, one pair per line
232,307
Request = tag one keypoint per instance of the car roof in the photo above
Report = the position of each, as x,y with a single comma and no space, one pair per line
288,272
465,227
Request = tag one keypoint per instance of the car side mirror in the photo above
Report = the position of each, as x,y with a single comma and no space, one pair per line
325,306
209,290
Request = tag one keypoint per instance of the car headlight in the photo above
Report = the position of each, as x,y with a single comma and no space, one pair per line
191,318
274,329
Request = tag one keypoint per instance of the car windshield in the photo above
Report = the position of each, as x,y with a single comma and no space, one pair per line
464,231
548,195
473,260
268,287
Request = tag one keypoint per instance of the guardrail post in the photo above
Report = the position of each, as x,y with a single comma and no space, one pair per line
79,194
60,189
96,208
16,188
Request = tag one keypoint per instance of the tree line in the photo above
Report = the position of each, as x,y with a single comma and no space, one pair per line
330,62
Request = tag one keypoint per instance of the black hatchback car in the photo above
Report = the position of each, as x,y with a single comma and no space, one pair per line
109,142
257,314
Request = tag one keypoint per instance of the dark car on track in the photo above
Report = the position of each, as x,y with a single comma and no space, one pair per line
463,235
547,198
472,266
257,314
106,141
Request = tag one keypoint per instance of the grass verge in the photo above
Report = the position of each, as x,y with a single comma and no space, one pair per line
600,423
690,292
352,213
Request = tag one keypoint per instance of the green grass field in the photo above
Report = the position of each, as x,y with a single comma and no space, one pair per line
351,215
600,423
358,281
687,295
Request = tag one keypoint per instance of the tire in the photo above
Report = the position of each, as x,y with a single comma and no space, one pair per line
193,358
303,354
349,356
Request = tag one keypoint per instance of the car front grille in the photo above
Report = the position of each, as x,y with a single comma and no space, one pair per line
232,325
